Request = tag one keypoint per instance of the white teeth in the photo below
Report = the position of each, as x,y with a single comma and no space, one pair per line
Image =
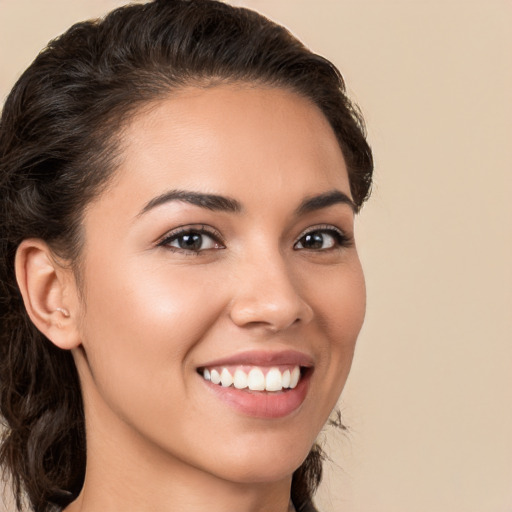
274,380
240,379
225,378
215,376
294,377
286,379
255,380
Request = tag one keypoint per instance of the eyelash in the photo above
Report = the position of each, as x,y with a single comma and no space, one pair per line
191,230
340,238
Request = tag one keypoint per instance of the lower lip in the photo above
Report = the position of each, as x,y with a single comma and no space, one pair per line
262,404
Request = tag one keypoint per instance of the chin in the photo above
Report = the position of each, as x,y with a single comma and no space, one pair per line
263,460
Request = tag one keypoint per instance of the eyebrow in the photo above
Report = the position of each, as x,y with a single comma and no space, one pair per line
325,200
209,201
216,202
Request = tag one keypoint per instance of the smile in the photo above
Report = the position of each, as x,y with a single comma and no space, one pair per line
254,378
266,385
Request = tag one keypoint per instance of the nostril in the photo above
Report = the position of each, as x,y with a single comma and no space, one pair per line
272,315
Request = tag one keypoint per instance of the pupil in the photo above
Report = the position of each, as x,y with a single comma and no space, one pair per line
190,242
314,241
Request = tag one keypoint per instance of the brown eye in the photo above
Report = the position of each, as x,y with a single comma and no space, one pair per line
321,239
191,241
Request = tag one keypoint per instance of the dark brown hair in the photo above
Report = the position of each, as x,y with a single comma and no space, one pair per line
59,134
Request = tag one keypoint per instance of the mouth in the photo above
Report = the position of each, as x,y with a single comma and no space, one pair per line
260,385
254,378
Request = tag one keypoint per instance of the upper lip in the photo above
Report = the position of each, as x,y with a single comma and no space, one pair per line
263,358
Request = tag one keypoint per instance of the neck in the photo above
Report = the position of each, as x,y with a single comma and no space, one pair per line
125,471
148,491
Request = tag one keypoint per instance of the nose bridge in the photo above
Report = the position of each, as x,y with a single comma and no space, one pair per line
267,293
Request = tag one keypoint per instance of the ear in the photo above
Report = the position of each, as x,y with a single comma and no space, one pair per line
49,292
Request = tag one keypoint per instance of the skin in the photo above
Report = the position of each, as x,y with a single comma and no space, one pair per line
150,314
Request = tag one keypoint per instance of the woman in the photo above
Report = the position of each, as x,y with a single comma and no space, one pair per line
181,292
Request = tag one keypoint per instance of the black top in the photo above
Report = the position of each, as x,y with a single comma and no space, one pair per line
308,507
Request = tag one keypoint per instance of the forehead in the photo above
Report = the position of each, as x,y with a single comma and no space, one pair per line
231,139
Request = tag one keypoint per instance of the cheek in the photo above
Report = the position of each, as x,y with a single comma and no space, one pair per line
140,323
340,309
340,303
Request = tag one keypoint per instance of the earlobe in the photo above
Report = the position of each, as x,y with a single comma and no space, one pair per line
49,293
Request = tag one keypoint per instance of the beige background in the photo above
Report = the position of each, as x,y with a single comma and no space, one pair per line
429,400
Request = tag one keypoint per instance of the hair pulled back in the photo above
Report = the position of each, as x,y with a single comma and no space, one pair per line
59,135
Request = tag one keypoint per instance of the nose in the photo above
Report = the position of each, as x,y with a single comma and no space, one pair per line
267,295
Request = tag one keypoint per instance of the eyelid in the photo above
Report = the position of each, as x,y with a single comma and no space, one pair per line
322,227
345,239
190,228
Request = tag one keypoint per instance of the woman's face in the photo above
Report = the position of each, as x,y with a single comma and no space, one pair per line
224,246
